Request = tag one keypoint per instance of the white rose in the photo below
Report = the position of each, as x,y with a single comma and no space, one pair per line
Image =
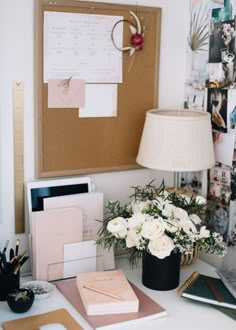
161,247
180,214
136,220
200,200
153,229
171,226
188,227
118,227
195,219
139,206
168,210
204,233
132,238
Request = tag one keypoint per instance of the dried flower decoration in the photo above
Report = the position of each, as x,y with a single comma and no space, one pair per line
137,35
65,85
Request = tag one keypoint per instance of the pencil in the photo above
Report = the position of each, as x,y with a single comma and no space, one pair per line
102,292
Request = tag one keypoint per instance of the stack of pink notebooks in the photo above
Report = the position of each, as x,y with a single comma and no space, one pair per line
148,308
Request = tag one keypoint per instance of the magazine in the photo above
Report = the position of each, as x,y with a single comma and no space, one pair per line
228,277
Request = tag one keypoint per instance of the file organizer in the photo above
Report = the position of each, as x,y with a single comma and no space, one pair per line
71,268
92,205
51,230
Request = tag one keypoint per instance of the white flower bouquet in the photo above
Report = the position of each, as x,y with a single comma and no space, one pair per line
159,222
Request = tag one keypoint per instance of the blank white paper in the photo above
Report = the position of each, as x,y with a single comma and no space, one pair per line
100,101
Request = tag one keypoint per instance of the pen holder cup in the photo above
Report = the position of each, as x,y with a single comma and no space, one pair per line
8,283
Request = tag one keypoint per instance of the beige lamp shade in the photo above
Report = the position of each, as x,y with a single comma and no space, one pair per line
177,140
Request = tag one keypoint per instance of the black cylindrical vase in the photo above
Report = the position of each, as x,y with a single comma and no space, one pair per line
161,274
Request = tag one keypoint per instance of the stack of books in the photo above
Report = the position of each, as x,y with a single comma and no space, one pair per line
107,299
219,292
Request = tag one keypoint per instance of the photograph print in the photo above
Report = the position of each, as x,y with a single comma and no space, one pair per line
222,42
217,107
231,109
221,75
219,185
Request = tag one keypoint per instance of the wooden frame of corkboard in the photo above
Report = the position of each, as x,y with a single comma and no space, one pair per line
68,145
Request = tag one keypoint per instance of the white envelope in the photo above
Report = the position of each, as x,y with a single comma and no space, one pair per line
80,257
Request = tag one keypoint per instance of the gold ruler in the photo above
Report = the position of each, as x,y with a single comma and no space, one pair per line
18,122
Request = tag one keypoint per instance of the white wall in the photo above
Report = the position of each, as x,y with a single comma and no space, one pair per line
16,63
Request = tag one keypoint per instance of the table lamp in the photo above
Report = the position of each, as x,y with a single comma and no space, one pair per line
176,140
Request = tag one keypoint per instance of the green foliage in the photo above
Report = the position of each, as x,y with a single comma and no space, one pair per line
148,192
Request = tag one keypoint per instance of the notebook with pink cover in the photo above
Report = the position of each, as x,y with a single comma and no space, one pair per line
51,229
106,293
148,308
92,205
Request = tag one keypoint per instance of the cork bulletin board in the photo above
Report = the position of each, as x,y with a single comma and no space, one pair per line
66,144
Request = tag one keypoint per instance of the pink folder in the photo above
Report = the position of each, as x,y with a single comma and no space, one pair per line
92,205
51,229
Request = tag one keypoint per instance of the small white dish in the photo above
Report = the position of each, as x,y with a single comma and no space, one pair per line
41,289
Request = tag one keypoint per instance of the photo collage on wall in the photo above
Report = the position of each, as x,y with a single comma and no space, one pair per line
192,181
221,104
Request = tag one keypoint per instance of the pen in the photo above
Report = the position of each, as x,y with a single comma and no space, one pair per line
15,262
4,262
11,254
1,267
102,292
16,259
5,246
17,247
16,269
23,260
19,264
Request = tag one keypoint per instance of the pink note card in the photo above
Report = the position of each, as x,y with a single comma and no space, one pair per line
66,93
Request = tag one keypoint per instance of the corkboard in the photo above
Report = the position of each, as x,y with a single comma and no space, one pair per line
69,145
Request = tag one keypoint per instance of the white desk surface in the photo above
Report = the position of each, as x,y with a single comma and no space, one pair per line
183,314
